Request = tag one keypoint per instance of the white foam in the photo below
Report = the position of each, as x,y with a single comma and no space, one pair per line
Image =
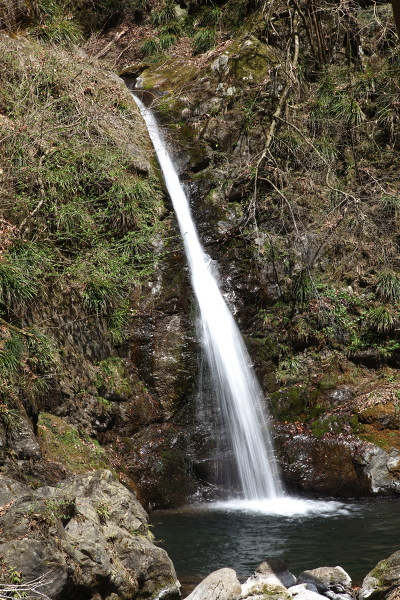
285,506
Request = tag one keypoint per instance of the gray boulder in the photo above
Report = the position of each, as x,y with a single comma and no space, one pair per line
87,537
271,579
305,591
382,580
329,581
220,585
276,571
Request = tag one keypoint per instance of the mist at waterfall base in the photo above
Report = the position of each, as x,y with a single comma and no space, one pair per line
262,521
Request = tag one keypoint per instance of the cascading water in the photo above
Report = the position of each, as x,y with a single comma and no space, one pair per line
235,383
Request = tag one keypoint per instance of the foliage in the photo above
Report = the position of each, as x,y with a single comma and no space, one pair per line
59,30
388,286
51,510
380,319
303,289
103,510
81,215
112,376
165,15
203,40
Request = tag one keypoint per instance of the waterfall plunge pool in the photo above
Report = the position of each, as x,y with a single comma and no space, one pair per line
355,535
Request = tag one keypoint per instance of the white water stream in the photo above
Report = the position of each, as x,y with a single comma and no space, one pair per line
237,389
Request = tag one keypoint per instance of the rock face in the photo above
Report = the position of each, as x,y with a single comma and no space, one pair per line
87,537
382,580
220,585
336,465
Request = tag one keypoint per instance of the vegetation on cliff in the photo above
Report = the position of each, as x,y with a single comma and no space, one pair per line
297,114
287,116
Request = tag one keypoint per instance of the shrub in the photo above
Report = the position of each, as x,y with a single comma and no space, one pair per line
203,40
303,289
388,286
60,30
164,15
150,47
380,319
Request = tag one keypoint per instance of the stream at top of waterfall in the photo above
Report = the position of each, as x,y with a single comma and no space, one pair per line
355,535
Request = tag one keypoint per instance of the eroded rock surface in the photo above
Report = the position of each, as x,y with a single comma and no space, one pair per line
339,465
86,536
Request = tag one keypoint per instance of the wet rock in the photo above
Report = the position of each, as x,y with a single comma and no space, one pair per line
338,465
327,579
88,535
220,585
158,459
382,580
323,465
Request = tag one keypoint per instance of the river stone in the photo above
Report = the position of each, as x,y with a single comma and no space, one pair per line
382,579
305,591
259,590
271,579
276,571
327,579
220,585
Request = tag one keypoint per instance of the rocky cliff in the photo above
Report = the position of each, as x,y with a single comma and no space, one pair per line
284,124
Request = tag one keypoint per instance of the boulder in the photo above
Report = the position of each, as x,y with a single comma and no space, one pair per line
329,581
219,585
86,536
271,578
383,579
259,590
22,440
276,571
305,591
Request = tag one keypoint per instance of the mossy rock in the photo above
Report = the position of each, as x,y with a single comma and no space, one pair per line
62,443
382,579
111,380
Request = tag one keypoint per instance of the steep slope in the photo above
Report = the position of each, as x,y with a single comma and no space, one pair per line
285,122
290,126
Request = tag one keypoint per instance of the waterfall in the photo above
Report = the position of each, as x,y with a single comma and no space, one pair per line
236,386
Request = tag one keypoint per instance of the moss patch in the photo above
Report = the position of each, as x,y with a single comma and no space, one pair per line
62,443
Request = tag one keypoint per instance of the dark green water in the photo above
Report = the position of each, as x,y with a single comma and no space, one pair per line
355,535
